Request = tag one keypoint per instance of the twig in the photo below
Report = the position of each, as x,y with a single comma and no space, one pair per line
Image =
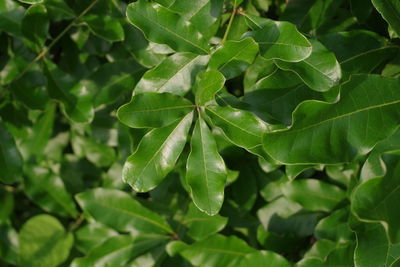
228,28
43,53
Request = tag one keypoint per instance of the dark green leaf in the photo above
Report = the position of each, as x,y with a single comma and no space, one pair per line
121,211
76,99
334,133
376,200
35,25
313,194
390,11
10,158
105,27
48,191
320,71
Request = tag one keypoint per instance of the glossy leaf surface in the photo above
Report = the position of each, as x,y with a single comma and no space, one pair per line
175,74
160,25
281,40
390,11
152,161
205,170
150,110
320,71
120,211
233,57
342,123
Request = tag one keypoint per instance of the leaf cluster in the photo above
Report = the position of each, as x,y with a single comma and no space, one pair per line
199,133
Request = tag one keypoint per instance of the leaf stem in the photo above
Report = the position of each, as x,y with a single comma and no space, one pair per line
228,28
76,223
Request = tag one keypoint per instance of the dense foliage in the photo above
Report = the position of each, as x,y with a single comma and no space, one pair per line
199,133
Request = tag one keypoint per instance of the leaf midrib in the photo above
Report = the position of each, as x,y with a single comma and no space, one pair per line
129,212
231,123
158,109
337,117
158,151
172,32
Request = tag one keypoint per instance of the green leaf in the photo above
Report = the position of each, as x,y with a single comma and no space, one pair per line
121,211
152,110
310,15
48,191
160,25
261,67
207,85
30,89
11,15
285,217
113,79
118,250
320,71
363,58
361,9
43,242
241,127
281,40
335,227
9,244
99,154
59,10
31,1
137,45
91,235
10,158
341,255
262,257
277,105
41,133
374,166
313,194
373,246
205,170
175,74
156,155
202,13
376,200
201,225
334,133
7,200
105,27
217,250
35,25
76,99
390,11
233,57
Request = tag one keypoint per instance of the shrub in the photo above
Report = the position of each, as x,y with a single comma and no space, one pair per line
199,133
